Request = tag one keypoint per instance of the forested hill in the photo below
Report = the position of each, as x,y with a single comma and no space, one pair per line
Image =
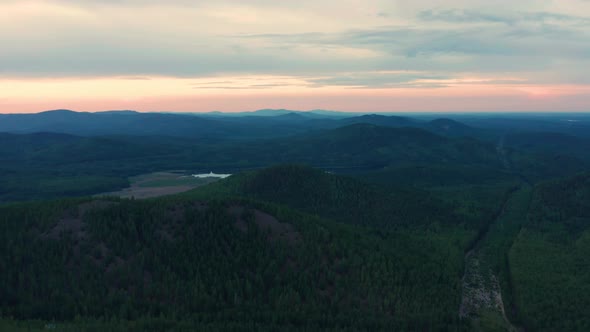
185,264
55,148
371,146
48,165
551,143
292,248
341,198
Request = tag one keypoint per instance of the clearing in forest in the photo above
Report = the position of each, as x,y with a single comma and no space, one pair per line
160,184
483,302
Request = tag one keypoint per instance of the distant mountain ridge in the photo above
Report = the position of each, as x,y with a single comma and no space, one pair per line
246,125
281,111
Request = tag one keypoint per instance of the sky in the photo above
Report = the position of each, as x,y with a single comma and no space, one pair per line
346,55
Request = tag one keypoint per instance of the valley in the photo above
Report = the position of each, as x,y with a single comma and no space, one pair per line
485,295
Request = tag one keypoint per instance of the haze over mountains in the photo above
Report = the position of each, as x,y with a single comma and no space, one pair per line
264,123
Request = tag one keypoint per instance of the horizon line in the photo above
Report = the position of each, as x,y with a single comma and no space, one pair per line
212,112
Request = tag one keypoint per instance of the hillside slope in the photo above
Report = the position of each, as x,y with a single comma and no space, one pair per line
232,264
550,258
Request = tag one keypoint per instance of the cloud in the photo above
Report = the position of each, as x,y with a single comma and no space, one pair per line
380,80
369,44
499,48
510,18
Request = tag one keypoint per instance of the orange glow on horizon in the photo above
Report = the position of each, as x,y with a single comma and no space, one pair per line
248,92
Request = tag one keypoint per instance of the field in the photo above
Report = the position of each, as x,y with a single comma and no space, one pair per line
159,184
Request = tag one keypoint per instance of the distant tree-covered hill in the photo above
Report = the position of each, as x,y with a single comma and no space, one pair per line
371,146
344,199
549,143
255,125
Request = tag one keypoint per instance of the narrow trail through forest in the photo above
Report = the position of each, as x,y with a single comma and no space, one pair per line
481,290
